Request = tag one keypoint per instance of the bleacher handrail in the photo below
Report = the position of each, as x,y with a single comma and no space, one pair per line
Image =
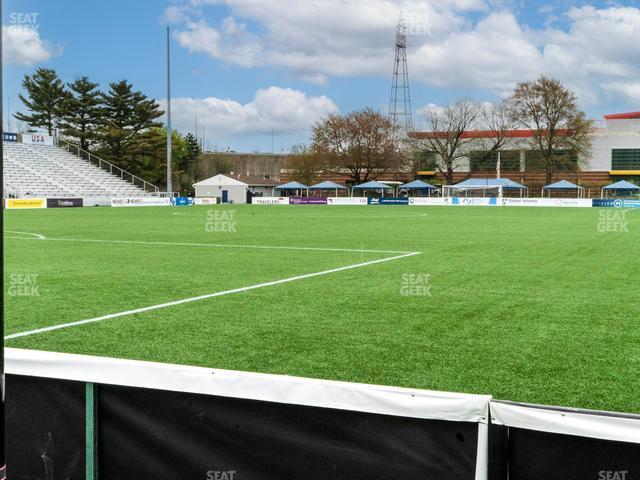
110,167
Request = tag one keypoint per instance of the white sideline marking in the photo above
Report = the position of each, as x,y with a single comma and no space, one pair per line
204,297
36,236
180,214
216,245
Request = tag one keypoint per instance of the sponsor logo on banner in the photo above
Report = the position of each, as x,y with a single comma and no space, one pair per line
389,201
140,202
181,201
270,201
307,201
481,201
37,139
428,201
615,203
205,201
9,137
347,201
64,202
26,203
546,202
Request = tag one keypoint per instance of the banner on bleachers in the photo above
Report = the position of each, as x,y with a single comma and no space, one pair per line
64,202
26,203
347,201
270,201
9,137
615,203
37,139
140,202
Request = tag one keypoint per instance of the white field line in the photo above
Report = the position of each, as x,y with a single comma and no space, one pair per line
35,236
215,245
363,217
204,297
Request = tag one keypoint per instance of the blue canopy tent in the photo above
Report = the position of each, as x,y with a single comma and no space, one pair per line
328,186
372,185
621,188
419,186
293,186
486,184
563,185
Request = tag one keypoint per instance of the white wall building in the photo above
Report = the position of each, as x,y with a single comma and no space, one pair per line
226,189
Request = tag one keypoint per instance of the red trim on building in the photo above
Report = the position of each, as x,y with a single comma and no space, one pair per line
622,116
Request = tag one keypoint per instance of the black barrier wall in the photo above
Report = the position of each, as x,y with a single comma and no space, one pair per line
64,202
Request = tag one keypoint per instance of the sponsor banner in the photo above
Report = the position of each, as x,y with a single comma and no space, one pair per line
9,137
64,202
428,201
389,201
270,201
26,203
347,201
205,201
181,201
481,201
615,203
546,202
140,202
307,200
37,139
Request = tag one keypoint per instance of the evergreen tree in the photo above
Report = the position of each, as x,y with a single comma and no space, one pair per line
46,101
127,114
83,111
192,154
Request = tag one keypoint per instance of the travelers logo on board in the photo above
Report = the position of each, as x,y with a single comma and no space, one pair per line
221,221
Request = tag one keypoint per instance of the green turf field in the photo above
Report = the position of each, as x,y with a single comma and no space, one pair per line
525,304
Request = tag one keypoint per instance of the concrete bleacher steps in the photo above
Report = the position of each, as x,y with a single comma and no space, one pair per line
51,171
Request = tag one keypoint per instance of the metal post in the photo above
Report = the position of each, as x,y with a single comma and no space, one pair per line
169,183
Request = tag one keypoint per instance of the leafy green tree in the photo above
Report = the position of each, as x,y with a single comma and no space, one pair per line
82,112
189,161
127,115
46,99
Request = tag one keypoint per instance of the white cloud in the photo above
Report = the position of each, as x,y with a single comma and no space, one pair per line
24,46
281,110
596,52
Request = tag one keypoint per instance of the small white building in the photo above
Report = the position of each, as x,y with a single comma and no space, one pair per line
226,189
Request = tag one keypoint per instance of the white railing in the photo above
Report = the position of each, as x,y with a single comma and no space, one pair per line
109,167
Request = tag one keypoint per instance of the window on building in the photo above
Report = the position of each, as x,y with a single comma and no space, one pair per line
625,159
425,161
565,161
487,161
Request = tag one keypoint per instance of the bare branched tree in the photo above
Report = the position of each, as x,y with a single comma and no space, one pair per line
548,108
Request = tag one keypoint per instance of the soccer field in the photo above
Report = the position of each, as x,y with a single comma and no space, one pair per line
525,304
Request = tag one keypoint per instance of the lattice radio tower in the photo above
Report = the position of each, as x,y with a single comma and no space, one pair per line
400,103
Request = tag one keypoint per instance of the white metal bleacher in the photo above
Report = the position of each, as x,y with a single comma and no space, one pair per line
51,171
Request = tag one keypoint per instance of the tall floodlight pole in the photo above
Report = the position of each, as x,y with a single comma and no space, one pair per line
400,102
169,183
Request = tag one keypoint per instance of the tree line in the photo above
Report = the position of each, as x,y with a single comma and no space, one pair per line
119,125
366,144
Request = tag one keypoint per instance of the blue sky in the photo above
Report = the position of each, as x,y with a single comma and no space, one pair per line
250,68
